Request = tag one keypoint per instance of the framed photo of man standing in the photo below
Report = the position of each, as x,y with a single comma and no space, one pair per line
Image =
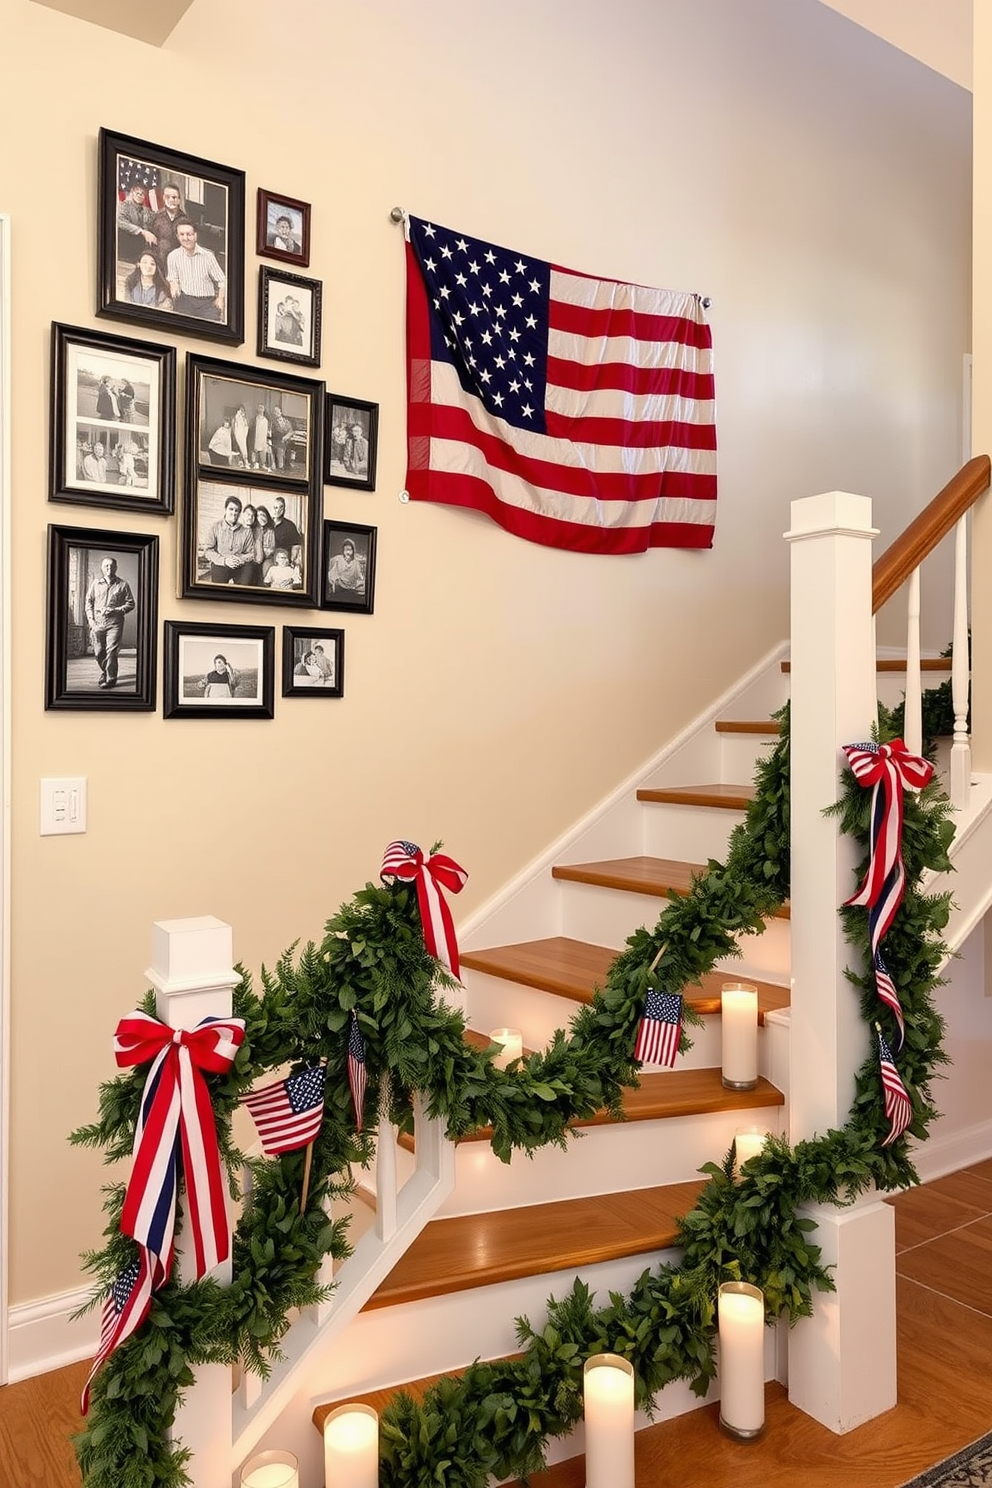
171,239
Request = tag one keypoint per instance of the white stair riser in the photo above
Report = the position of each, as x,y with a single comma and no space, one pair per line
603,1159
740,753
496,1003
690,834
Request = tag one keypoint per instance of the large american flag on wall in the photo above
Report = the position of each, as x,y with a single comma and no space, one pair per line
575,412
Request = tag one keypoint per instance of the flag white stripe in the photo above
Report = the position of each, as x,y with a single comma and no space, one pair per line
607,294
593,351
455,457
617,403
446,390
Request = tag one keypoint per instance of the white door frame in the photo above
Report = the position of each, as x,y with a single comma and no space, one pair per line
5,789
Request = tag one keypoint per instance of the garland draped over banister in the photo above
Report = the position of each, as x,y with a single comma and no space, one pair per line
373,972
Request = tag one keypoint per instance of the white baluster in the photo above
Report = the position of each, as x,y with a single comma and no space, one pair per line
193,974
961,747
385,1169
913,719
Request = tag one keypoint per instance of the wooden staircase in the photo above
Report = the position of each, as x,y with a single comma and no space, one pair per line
608,1207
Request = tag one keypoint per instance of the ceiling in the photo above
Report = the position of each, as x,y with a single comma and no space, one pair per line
151,22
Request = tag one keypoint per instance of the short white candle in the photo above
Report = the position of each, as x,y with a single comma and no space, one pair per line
748,1142
351,1447
271,1470
741,1321
739,1022
511,1041
608,1390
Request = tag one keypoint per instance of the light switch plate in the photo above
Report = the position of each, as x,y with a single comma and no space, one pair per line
63,805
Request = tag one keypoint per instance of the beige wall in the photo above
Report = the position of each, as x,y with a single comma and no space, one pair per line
981,598
500,689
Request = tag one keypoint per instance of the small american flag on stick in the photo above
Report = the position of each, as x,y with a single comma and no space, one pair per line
356,1068
288,1114
128,1304
898,1106
661,1028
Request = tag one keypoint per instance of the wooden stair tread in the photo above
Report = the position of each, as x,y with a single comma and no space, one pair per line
897,664
474,1250
416,1389
639,875
725,797
575,969
769,726
664,1094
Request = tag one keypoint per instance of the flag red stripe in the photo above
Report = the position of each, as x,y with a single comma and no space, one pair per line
581,320
673,382
477,495
441,422
645,434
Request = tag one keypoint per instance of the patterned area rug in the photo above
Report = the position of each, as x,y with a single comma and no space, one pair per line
969,1468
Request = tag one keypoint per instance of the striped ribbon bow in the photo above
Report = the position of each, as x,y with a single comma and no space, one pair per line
405,860
888,769
176,1106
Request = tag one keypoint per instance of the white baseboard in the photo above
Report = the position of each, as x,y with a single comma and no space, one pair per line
943,1154
44,1335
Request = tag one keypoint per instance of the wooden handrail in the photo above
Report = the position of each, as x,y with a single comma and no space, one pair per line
893,568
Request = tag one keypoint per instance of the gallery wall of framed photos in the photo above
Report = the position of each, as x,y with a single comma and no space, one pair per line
259,447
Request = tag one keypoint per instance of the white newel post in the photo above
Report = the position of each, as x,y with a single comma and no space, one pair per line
193,974
842,1361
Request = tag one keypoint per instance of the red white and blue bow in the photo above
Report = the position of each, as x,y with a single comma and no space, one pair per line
176,1107
405,860
888,769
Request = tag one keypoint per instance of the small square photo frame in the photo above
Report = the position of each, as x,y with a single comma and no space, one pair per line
102,620
351,441
171,239
113,421
312,662
219,671
283,228
348,568
289,317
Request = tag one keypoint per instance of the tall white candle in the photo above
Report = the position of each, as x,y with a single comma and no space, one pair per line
741,1322
275,1469
351,1447
608,1390
739,1021
748,1142
511,1042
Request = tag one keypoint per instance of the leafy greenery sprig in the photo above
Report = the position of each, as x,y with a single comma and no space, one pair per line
497,1417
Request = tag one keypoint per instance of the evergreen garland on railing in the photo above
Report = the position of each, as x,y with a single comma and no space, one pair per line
497,1417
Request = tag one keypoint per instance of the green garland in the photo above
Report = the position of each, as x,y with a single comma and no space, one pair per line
497,1417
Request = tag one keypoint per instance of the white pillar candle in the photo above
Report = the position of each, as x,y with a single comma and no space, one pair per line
739,1022
748,1142
351,1447
608,1391
271,1470
741,1322
511,1042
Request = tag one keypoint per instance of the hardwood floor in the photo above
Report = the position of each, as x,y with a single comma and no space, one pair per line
944,1286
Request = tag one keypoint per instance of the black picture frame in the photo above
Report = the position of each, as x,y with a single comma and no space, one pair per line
290,334
282,484
190,688
322,676
271,239
211,197
101,656
113,421
349,420
348,582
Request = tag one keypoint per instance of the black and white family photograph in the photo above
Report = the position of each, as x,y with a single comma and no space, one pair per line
312,662
222,670
283,228
350,445
251,426
288,317
251,543
172,238
348,567
101,619
113,421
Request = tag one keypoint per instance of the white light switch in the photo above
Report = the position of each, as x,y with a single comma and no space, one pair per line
63,805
